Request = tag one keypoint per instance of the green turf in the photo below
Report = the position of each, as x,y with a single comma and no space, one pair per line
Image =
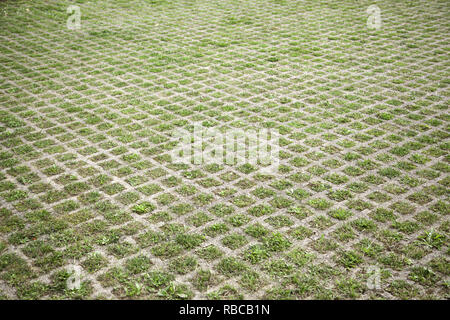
358,209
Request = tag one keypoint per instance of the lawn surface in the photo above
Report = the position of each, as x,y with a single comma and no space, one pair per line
359,208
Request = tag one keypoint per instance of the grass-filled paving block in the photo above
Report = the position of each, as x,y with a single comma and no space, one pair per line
121,157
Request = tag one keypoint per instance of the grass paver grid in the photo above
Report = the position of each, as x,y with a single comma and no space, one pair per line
86,127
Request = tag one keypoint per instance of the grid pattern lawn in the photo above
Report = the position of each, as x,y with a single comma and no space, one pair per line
86,123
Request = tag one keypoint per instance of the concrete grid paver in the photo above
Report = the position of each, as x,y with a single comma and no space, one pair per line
87,121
